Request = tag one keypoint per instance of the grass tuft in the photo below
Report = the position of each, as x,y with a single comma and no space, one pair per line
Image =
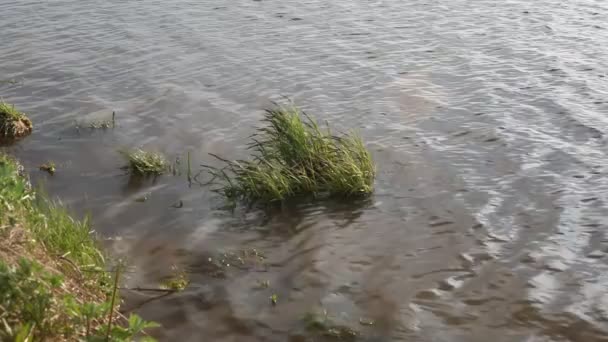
100,124
13,123
293,156
48,167
177,281
144,163
320,323
104,124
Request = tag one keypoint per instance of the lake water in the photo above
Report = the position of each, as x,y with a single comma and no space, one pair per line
488,121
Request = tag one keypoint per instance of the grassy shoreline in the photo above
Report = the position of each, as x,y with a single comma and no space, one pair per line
54,278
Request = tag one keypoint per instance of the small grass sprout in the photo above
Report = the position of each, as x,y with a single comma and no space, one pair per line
177,281
263,284
53,283
9,81
293,156
48,167
13,123
100,124
144,163
320,323
104,124
274,299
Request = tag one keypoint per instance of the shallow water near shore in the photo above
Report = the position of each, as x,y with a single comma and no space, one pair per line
487,121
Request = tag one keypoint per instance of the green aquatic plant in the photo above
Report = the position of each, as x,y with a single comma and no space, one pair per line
293,156
320,323
48,167
177,281
13,123
274,299
9,81
262,284
100,124
104,124
143,163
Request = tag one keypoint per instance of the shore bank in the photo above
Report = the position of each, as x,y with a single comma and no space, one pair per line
56,284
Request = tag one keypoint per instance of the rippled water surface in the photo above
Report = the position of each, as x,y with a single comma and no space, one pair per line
487,120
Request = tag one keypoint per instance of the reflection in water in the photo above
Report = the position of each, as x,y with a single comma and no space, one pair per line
487,121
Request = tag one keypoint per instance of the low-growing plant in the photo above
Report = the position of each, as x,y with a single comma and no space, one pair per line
48,167
294,156
320,323
104,124
177,281
87,314
135,327
100,124
33,305
47,221
143,163
26,299
9,81
13,123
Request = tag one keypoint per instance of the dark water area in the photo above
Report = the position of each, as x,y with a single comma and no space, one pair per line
487,120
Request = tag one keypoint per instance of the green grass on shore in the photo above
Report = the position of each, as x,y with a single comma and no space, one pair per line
13,123
293,156
54,284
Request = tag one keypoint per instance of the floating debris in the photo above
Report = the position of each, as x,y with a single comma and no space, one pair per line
366,321
263,284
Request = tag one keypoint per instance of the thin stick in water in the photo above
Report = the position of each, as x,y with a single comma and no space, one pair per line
110,314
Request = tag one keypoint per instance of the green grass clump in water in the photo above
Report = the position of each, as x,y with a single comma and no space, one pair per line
143,163
13,123
100,124
177,281
104,124
322,324
48,167
293,156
